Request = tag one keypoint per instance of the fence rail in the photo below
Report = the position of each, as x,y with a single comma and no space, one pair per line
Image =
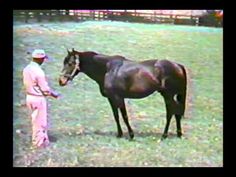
148,16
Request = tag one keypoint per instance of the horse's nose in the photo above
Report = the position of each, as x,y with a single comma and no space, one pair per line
60,82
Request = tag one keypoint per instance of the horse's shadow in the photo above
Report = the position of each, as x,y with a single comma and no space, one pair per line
137,134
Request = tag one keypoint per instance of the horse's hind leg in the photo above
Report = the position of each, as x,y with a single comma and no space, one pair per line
178,125
168,119
125,117
169,112
179,112
116,116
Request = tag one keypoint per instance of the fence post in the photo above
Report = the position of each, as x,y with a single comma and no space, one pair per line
197,21
155,20
26,16
98,15
93,15
38,16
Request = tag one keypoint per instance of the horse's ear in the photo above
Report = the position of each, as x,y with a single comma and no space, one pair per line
73,50
68,51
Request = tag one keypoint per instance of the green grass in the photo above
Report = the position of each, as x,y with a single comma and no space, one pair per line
82,122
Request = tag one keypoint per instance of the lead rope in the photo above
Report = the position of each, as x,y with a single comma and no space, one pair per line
84,115
84,131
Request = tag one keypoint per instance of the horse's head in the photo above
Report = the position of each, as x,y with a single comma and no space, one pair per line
71,67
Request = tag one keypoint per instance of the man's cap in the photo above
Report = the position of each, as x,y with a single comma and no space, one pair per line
38,53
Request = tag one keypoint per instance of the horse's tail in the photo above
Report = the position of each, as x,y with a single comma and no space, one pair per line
182,96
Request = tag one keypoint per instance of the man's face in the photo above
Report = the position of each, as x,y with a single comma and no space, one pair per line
39,60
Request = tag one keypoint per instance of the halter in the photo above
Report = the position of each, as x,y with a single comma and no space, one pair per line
76,68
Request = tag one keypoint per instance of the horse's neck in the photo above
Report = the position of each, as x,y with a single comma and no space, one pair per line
94,68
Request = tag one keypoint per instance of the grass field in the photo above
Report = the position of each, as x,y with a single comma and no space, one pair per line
82,127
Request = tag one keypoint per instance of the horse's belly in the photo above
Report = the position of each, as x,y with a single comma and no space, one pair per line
138,93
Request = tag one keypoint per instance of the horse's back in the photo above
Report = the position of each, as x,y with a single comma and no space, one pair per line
131,79
108,57
139,79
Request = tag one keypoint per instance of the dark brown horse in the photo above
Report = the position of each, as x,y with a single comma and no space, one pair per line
119,78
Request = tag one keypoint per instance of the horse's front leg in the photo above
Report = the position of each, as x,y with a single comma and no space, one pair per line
116,116
125,117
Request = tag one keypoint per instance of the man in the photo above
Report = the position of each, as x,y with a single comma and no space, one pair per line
36,91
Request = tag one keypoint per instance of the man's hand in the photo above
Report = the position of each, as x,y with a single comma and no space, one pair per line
59,96
55,95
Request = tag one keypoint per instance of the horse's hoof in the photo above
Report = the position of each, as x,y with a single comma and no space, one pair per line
179,134
119,135
131,135
164,136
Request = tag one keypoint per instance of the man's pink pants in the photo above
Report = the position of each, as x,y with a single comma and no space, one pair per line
38,108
